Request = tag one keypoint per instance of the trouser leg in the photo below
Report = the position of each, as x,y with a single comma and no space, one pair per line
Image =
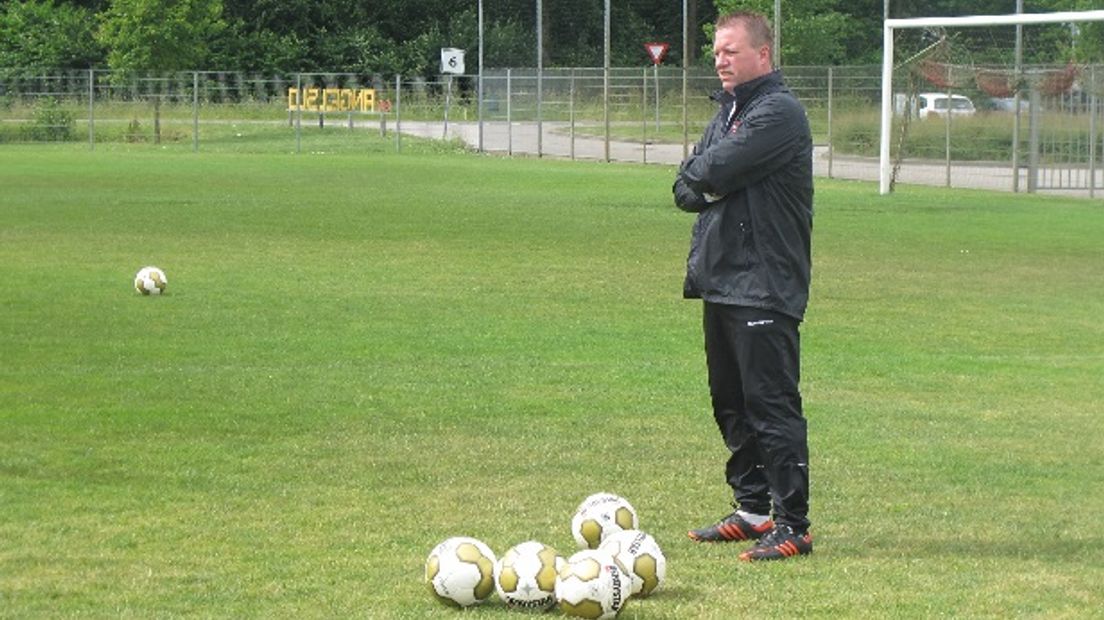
744,470
754,366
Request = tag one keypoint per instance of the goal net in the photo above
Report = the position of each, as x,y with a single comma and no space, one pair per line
1014,102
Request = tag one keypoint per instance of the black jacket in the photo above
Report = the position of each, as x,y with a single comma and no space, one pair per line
751,247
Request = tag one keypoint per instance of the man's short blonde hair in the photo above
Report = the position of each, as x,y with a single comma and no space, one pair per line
758,28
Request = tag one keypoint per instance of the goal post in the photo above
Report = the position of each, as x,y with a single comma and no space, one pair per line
890,26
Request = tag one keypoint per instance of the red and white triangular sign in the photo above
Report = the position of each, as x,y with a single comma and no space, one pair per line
657,51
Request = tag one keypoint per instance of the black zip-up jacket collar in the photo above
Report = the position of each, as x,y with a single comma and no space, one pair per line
744,93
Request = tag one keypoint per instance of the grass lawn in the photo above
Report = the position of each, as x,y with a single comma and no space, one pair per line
360,355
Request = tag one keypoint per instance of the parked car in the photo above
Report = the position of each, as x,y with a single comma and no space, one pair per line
1008,104
924,105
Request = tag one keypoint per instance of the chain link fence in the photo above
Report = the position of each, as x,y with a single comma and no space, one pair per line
641,114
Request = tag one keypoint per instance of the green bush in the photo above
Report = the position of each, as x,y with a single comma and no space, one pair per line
50,123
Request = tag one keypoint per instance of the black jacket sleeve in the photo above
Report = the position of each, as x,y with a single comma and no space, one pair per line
763,143
686,198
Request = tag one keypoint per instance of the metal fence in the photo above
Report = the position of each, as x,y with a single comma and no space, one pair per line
642,114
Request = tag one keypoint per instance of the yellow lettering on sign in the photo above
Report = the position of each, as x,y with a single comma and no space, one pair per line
334,99
366,100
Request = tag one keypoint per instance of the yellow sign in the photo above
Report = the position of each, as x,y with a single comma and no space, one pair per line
333,99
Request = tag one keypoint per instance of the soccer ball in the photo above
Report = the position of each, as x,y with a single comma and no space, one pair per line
641,556
150,281
600,515
525,576
592,585
460,571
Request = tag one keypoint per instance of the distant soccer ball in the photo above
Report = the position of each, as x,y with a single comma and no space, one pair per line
150,281
460,571
592,585
600,515
641,556
525,576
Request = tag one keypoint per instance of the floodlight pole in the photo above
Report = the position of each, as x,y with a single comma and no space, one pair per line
606,79
1016,99
479,94
776,53
685,72
540,75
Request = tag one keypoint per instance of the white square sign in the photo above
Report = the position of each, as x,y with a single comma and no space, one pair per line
452,60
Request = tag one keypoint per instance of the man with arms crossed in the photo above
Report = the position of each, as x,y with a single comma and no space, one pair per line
750,180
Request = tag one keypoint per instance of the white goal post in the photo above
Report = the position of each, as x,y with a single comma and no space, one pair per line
890,25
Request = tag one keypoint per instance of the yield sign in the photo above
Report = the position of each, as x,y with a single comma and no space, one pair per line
657,51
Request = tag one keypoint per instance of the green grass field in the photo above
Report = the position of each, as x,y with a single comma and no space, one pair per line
361,355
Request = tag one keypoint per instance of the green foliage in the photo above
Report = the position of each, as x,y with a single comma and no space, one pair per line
38,35
813,33
158,35
266,51
388,38
50,121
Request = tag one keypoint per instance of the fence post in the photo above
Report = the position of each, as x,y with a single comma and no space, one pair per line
383,123
1016,142
571,111
605,107
91,110
1092,131
644,116
685,111
947,130
509,114
1033,143
398,114
655,70
831,148
195,112
479,93
352,83
448,96
298,112
540,102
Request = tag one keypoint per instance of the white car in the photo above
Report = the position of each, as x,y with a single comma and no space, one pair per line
934,104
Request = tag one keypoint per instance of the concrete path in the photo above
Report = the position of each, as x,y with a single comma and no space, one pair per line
555,141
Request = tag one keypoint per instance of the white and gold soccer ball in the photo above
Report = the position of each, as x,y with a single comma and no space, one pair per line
460,571
599,516
525,576
639,553
150,281
591,584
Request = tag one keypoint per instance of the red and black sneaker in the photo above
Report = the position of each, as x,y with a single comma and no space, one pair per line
781,543
732,527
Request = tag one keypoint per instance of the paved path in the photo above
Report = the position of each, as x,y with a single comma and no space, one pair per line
556,141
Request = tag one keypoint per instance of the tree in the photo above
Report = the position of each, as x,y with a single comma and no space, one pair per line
39,35
814,32
158,36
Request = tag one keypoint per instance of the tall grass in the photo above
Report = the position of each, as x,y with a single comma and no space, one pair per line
986,136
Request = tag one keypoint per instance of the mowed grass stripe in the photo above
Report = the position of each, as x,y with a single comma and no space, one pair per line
360,355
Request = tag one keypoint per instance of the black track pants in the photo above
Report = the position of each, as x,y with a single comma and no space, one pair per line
753,358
